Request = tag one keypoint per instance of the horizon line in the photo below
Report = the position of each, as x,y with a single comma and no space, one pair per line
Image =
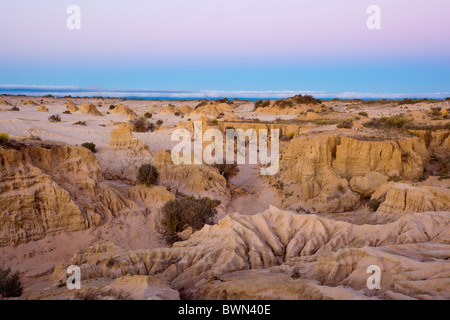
61,91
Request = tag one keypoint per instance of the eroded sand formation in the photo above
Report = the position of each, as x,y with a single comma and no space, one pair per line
343,199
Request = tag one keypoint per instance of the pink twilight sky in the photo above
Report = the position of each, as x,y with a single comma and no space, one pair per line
157,34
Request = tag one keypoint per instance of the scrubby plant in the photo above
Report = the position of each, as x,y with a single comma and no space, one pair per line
346,124
177,114
287,137
374,204
4,137
227,170
295,274
67,112
15,108
10,285
262,104
111,107
147,174
398,122
110,262
142,125
159,122
99,294
180,213
148,115
80,123
54,118
90,145
394,178
214,122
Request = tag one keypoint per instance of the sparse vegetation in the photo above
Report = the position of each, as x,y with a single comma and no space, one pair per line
111,107
363,113
110,262
227,170
295,274
346,124
10,285
4,137
143,125
148,115
261,104
398,122
374,204
54,118
394,178
90,145
287,137
214,122
159,122
15,108
67,112
99,294
80,123
147,175
178,214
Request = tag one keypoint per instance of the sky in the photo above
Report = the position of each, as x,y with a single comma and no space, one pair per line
238,47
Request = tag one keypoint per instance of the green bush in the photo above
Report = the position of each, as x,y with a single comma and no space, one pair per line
159,122
54,118
66,112
147,174
214,122
177,214
363,113
148,115
10,285
4,137
90,145
346,124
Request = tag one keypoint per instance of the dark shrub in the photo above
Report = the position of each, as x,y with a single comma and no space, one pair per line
10,285
346,124
143,125
14,109
54,118
148,115
4,137
90,145
112,107
363,113
80,123
227,170
159,122
177,214
66,112
147,174
374,204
